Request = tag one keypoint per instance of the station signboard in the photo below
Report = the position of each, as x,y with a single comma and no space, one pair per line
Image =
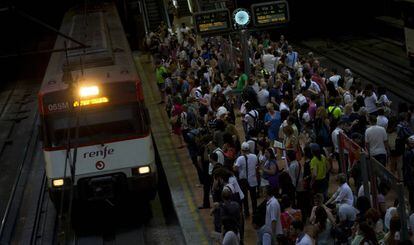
270,13
212,22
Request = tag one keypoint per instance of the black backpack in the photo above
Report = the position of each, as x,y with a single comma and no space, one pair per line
258,123
260,213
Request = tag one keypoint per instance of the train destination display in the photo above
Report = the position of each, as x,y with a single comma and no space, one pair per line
270,13
211,22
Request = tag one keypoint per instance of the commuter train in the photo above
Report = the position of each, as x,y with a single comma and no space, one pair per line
94,124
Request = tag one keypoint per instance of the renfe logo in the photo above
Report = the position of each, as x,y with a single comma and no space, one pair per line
104,152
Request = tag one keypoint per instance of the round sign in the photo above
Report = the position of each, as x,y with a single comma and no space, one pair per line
100,165
241,17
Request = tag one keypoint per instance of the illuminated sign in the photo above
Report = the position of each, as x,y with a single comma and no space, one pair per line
270,13
212,21
90,101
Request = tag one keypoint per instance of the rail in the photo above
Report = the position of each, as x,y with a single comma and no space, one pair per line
143,10
16,196
371,169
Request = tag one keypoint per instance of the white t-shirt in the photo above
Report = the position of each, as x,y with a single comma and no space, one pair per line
315,87
382,121
305,240
335,79
273,214
220,155
263,97
294,171
216,89
375,137
334,137
251,168
256,87
348,98
344,195
283,106
391,211
370,103
301,99
235,188
250,118
411,222
347,212
231,238
269,61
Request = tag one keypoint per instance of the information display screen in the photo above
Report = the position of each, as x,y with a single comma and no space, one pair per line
270,13
211,22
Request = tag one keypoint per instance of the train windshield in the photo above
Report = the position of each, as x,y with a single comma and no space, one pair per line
97,125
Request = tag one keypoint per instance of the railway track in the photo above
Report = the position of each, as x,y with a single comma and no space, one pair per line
19,141
27,211
372,59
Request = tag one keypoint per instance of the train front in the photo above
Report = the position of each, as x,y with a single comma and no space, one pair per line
97,142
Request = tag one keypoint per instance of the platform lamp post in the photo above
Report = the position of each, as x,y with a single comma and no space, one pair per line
241,18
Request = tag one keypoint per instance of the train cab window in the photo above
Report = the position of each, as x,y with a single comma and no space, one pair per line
97,125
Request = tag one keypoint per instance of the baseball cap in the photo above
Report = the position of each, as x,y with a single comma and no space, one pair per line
245,146
221,111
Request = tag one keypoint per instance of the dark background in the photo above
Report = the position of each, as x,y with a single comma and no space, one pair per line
308,18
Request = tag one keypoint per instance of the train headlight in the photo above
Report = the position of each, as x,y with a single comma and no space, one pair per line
58,182
141,170
144,170
88,91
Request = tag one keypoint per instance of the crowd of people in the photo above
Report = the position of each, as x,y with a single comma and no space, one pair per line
264,142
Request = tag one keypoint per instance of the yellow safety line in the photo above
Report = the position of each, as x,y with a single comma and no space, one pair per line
168,141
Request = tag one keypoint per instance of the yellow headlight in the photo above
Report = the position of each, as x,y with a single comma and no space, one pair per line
58,182
144,170
88,91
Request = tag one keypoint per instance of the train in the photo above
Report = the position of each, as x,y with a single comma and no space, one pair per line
94,124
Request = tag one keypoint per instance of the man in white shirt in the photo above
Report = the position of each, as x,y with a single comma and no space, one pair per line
300,98
347,213
314,87
296,229
294,167
334,136
269,61
335,77
382,120
343,194
370,99
250,117
263,95
216,149
245,165
272,219
376,141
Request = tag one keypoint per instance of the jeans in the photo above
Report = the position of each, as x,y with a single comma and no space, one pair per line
246,189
